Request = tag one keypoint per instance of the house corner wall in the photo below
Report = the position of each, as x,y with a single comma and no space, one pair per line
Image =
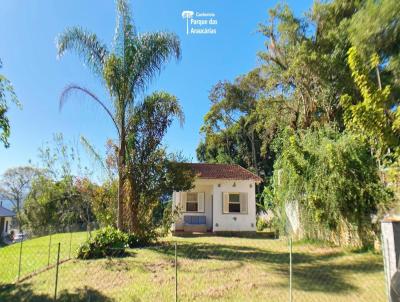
236,222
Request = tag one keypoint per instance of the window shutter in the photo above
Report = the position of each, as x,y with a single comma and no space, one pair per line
183,201
225,201
243,202
200,201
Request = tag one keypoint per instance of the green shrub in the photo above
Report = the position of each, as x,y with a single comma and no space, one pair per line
141,241
262,224
107,242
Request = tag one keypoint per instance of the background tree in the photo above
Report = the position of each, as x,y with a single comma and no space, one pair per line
15,184
126,71
56,205
7,94
57,199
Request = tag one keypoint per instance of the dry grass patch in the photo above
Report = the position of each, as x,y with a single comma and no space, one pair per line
215,268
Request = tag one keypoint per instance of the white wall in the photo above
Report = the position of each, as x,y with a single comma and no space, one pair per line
389,250
200,186
234,221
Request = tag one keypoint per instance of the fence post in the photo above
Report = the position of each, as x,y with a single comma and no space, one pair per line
176,274
58,263
290,270
20,259
385,266
48,256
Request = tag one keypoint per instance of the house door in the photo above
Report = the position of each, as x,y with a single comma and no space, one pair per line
1,225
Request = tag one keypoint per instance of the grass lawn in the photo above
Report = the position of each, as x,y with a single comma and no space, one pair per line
35,254
213,268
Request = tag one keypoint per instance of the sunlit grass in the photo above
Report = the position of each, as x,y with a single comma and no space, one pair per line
35,254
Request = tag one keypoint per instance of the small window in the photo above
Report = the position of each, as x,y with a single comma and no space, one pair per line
192,204
192,197
234,203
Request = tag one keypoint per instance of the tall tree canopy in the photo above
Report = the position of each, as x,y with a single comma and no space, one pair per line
300,80
323,69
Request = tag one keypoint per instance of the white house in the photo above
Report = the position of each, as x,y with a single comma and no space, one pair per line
5,221
223,199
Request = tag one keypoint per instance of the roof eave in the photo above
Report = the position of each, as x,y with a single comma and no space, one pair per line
257,181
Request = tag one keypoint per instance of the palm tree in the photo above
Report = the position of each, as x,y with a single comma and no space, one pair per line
126,70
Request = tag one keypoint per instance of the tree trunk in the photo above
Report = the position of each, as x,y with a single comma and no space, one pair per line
134,226
378,77
18,215
121,176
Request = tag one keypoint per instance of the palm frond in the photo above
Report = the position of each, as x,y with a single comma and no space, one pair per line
147,56
75,88
86,44
124,28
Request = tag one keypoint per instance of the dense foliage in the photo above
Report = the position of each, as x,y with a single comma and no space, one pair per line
334,180
54,206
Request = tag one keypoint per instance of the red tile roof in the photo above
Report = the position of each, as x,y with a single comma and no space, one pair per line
223,171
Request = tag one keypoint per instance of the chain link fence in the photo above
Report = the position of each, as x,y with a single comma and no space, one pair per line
190,268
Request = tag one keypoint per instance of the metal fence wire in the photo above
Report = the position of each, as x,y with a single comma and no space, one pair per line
189,268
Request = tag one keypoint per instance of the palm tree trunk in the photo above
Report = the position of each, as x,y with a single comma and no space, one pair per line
134,211
121,176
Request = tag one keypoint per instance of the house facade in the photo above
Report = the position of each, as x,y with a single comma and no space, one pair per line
223,200
6,217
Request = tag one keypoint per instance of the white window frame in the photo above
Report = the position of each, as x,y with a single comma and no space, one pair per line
233,202
240,203
192,201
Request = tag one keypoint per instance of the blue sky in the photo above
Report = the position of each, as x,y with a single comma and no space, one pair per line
28,30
